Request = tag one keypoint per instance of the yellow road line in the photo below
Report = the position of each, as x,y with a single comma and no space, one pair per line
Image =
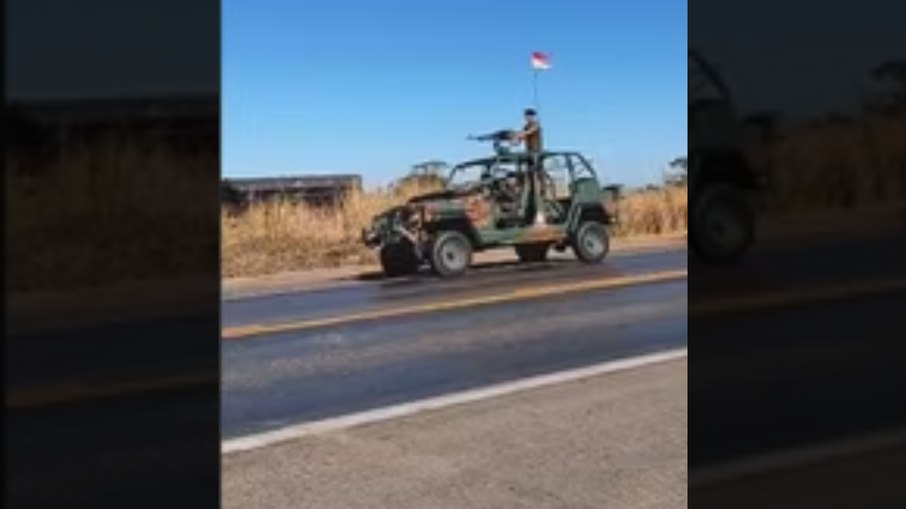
783,298
56,394
43,396
245,331
67,393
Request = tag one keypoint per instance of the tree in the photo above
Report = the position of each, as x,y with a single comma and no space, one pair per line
892,73
893,70
679,171
431,172
680,163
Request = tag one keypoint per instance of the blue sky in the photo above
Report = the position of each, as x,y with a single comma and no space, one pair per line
797,66
372,87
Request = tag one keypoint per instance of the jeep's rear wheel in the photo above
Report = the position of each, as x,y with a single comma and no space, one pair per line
723,224
451,254
591,242
399,259
532,252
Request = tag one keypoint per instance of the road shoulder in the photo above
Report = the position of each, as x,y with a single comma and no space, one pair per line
615,440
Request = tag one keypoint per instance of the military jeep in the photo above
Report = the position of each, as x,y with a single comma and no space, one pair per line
723,184
531,203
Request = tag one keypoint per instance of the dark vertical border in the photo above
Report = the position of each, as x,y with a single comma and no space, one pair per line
112,264
796,366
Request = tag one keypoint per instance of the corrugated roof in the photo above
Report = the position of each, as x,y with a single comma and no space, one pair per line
295,182
95,110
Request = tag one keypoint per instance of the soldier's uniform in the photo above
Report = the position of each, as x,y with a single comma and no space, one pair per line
533,144
533,140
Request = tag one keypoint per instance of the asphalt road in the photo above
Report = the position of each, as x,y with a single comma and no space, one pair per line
616,440
123,405
809,366
281,379
808,358
790,399
485,279
134,450
762,379
278,379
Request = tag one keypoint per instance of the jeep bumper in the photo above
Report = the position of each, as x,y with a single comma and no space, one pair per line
370,238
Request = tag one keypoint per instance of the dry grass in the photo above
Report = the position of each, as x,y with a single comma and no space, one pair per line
108,213
280,236
115,211
837,165
815,167
653,212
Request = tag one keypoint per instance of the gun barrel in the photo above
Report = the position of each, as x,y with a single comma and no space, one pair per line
501,135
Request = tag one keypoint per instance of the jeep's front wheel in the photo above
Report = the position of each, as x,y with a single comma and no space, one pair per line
532,252
451,254
591,242
398,259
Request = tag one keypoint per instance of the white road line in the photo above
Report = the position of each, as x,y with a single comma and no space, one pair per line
256,441
760,464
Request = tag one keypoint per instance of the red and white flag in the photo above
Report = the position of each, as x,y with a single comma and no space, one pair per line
540,61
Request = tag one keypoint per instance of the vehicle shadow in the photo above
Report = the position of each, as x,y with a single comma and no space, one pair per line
477,270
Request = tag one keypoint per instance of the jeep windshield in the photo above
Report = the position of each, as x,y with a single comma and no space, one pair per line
474,173
704,81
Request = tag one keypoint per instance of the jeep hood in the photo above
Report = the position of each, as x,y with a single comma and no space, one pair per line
445,194
434,196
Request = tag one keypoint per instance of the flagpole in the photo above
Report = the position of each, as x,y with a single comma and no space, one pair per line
539,213
535,88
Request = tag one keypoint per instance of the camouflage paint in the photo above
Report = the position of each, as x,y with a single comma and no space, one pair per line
523,235
482,213
444,210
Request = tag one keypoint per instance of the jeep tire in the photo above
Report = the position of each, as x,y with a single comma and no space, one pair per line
591,243
399,259
535,252
723,224
450,253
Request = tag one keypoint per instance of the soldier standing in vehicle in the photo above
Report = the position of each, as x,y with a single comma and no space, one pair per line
531,136
531,132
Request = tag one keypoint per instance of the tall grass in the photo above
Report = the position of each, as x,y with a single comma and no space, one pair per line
653,212
279,236
815,166
859,163
115,210
93,215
